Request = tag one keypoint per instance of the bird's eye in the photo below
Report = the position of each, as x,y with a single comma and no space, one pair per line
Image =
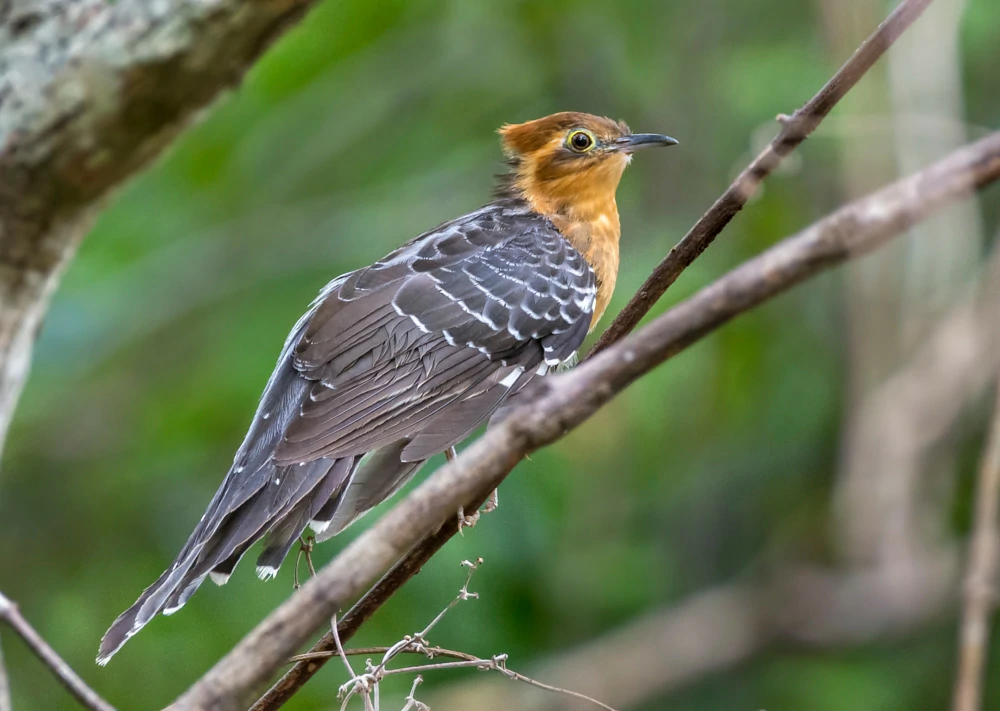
580,141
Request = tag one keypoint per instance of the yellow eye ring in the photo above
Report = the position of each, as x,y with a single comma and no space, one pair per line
580,141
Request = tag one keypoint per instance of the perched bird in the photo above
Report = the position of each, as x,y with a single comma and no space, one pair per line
399,361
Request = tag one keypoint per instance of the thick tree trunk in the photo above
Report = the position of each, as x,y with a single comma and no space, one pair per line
90,92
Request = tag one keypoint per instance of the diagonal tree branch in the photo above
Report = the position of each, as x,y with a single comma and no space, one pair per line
794,129
92,91
981,579
712,630
87,697
565,401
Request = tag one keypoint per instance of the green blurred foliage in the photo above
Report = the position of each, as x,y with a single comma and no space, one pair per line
367,124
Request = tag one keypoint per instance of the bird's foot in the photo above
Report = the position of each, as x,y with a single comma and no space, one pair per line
305,548
466,521
492,503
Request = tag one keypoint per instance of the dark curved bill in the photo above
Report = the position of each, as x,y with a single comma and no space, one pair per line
630,144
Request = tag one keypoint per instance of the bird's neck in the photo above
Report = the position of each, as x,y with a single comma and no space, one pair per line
586,214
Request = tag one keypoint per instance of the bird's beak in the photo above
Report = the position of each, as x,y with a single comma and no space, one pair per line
636,141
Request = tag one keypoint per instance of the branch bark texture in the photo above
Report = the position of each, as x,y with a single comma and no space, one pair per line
795,129
88,698
565,401
5,703
91,91
981,581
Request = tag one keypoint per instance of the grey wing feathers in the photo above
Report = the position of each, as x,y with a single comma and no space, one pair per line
393,363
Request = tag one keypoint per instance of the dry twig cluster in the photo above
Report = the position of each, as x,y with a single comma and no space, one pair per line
367,685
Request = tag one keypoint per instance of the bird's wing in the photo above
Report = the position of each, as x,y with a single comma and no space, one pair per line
444,320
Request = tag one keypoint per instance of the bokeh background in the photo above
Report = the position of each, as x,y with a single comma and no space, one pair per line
373,121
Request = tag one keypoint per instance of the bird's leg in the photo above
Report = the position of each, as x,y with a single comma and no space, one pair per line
493,502
305,547
463,520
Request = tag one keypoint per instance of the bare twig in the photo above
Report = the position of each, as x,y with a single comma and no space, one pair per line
429,651
340,647
981,578
367,685
10,614
368,682
411,702
565,401
499,664
5,702
794,129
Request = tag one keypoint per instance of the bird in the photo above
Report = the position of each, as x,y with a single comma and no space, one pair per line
401,360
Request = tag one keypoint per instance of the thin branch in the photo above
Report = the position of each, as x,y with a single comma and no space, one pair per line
981,579
363,609
367,685
411,701
563,402
340,647
368,682
499,664
5,702
794,130
424,650
10,614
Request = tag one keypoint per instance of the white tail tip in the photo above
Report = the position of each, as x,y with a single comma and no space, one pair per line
319,526
266,572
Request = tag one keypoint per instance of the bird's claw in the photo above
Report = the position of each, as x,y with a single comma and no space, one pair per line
466,521
470,521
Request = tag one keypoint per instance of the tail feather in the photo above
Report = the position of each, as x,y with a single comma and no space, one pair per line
145,608
252,469
250,523
378,475
282,536
264,496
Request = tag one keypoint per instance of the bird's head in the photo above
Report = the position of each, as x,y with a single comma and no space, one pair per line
570,160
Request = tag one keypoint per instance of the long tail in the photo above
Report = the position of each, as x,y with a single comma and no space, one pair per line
327,494
259,498
252,495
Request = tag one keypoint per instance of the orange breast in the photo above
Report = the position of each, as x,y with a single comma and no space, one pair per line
597,240
581,204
